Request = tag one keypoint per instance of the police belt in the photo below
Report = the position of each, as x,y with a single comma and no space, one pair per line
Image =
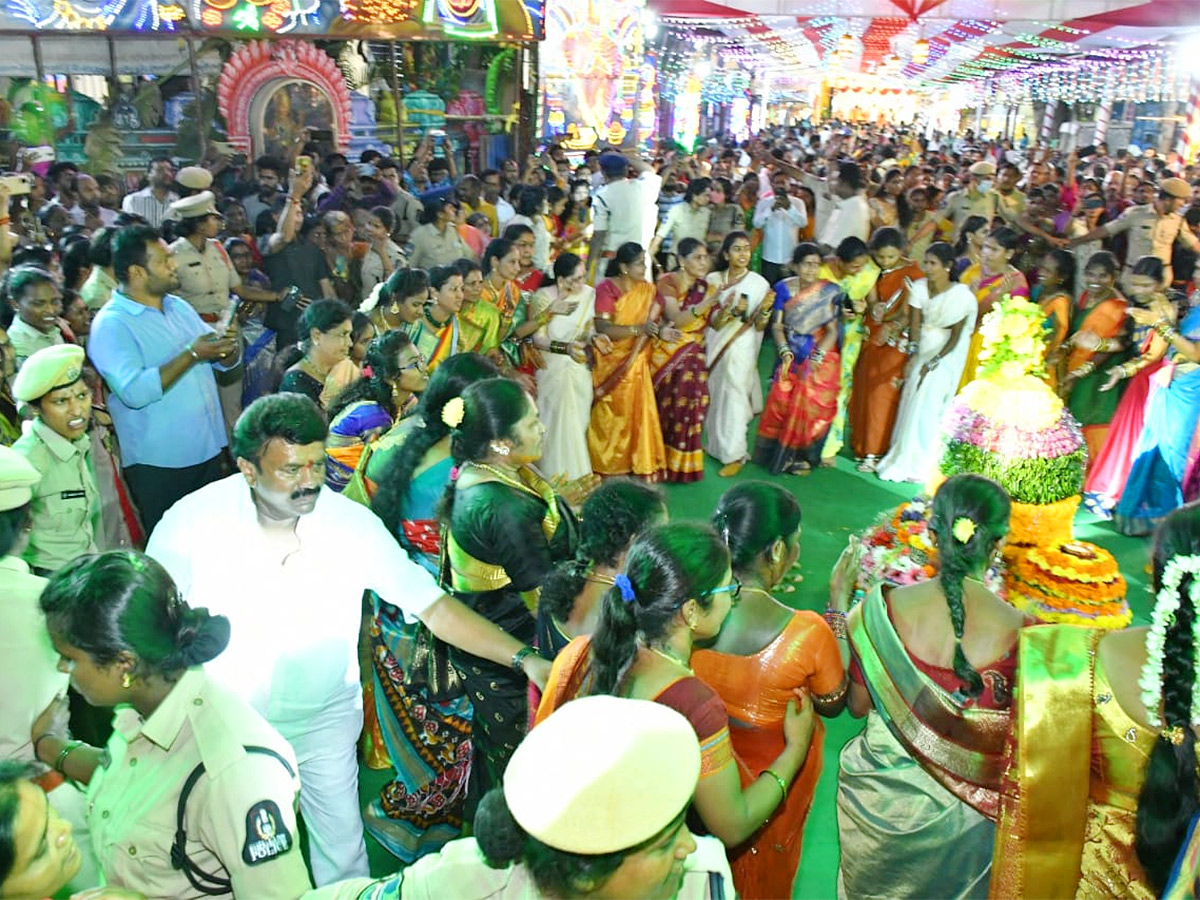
205,882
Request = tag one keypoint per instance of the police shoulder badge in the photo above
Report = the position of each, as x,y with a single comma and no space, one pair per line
266,834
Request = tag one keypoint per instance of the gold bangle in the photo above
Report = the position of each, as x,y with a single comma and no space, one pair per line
779,781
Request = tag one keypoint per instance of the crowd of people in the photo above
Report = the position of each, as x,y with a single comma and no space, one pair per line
314,463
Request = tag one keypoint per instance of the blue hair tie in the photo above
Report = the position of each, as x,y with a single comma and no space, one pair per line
625,586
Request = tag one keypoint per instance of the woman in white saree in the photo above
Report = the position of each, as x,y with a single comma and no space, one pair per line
564,383
948,311
744,303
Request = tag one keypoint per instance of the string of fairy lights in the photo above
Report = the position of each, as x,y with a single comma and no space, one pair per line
729,56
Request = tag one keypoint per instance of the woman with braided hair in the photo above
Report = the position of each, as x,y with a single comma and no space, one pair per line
1116,713
932,671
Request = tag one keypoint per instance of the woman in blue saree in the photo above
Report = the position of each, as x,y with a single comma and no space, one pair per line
1155,484
421,723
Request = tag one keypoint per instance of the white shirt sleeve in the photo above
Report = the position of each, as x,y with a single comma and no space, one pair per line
172,547
390,572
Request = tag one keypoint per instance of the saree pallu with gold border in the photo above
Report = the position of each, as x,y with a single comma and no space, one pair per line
918,789
1067,824
624,435
680,378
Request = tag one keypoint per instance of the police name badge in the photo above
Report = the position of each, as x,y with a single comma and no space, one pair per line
266,835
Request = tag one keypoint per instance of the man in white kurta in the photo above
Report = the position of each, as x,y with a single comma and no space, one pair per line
287,563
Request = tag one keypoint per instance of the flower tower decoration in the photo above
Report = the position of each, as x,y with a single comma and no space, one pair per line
1010,426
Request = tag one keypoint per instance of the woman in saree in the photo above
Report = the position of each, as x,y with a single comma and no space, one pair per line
504,528
1102,787
893,328
802,400
325,325
564,382
501,264
624,435
744,306
852,268
479,323
576,230
1109,471
393,374
679,370
766,652
889,207
1055,294
1155,483
399,302
918,790
439,336
948,311
990,280
747,202
969,247
422,731
1094,347
608,522
676,589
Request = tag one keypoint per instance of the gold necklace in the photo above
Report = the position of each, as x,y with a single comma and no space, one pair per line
670,657
510,480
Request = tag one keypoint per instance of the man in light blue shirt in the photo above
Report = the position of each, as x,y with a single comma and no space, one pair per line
157,355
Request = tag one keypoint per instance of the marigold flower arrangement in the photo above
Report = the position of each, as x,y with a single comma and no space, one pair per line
1010,426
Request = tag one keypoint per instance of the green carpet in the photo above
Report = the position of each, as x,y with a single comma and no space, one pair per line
835,502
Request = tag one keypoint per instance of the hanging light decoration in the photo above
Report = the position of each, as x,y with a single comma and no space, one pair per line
920,52
846,44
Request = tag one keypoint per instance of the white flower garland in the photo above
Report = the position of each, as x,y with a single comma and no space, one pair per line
1166,605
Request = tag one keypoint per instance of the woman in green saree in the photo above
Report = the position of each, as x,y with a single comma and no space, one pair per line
918,789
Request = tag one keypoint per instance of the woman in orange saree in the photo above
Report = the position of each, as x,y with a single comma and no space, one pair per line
1055,294
679,367
1095,346
624,435
891,328
764,653
990,279
677,588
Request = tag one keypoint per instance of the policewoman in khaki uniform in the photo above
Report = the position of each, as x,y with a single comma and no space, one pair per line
128,640
66,503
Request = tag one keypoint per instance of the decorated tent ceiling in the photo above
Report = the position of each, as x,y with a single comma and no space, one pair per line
942,41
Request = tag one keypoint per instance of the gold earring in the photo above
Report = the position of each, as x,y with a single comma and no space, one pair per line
126,681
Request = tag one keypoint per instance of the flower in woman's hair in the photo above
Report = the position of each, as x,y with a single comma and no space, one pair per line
964,529
368,372
453,412
625,586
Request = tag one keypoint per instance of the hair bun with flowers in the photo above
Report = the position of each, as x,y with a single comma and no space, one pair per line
964,529
1166,606
453,412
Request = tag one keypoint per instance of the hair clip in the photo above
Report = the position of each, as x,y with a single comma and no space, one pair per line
625,586
454,473
368,372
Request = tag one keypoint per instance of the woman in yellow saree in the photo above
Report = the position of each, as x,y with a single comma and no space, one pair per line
1103,784
624,436
990,279
919,788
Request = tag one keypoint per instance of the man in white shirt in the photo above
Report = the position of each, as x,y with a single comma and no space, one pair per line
780,216
851,214
288,563
153,202
623,210
688,219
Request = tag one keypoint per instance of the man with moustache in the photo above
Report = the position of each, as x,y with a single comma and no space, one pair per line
66,502
267,547
157,356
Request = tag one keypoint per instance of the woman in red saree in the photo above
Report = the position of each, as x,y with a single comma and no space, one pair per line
892,326
802,402
625,436
679,367
764,653
677,587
